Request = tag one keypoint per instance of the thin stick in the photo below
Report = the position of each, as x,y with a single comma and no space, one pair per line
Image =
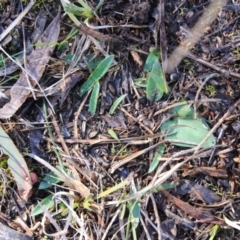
200,89
217,125
57,129
134,119
157,216
75,121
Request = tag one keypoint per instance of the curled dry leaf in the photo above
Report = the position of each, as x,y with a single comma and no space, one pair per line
17,165
37,62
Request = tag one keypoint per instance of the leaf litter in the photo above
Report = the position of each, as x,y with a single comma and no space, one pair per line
141,130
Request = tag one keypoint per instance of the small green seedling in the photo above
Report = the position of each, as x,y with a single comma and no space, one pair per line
83,11
155,82
212,90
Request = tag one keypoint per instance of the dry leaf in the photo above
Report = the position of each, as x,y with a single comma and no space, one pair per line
37,62
136,58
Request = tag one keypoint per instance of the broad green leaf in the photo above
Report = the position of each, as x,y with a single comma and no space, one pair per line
50,179
116,103
187,132
47,202
113,134
152,91
183,111
93,60
97,74
17,165
152,57
156,85
159,152
94,98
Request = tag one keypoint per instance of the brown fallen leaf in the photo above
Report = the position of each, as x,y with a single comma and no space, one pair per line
136,58
209,171
198,214
202,193
36,64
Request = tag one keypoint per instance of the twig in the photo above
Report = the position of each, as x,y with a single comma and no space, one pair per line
135,120
186,102
156,216
75,121
57,129
118,164
217,125
221,70
200,89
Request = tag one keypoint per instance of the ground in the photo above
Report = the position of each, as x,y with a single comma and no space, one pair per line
120,119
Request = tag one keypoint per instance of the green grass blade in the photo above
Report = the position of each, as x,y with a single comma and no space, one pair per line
113,189
113,134
116,103
97,74
159,152
94,98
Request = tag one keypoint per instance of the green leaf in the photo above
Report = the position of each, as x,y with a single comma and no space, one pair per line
152,57
112,133
47,202
93,60
159,152
152,91
116,103
213,232
165,186
135,212
94,98
187,132
84,11
87,202
140,82
97,74
183,111
17,165
51,178
156,85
